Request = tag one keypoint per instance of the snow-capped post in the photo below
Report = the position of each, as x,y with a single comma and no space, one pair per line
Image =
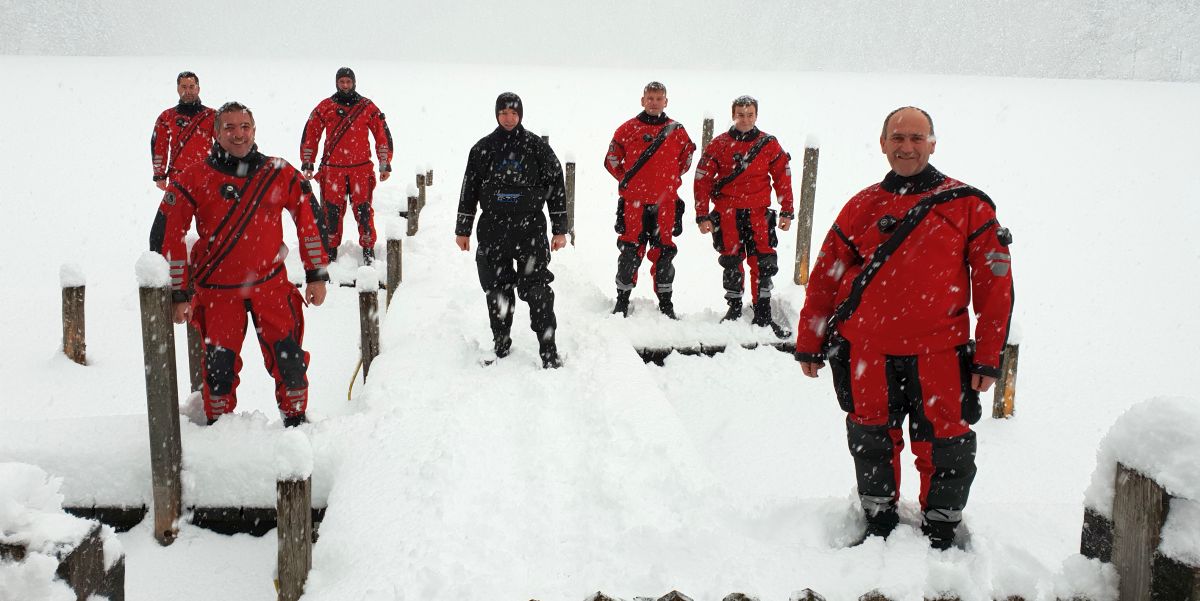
570,178
368,315
706,133
429,177
420,191
413,214
195,344
1003,404
70,276
804,211
162,402
293,510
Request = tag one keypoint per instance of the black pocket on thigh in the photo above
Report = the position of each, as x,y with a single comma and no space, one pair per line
971,409
677,229
837,353
620,225
772,237
715,219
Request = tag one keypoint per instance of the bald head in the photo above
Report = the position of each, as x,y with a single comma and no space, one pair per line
907,140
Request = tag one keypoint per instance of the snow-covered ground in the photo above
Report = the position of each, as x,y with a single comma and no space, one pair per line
445,480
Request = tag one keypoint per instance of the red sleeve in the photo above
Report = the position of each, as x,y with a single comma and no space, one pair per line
991,287
176,210
689,150
836,257
160,140
614,161
781,177
383,138
706,177
310,138
302,205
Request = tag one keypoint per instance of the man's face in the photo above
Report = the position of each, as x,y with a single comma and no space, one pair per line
189,90
744,118
508,119
235,133
654,102
907,142
345,84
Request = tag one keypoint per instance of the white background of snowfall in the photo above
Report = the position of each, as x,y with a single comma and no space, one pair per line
708,475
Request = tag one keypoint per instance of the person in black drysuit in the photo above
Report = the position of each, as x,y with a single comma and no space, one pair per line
511,174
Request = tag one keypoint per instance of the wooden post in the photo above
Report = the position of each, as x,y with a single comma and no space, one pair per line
570,177
1139,510
1003,404
706,133
294,528
74,341
420,191
413,215
368,321
162,404
429,177
804,215
395,266
195,357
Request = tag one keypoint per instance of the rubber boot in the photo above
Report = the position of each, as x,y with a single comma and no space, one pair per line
368,256
665,306
735,310
549,354
622,306
291,421
940,534
762,318
503,346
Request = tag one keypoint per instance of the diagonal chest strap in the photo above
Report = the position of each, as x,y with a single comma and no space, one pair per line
648,152
341,130
741,166
186,134
233,224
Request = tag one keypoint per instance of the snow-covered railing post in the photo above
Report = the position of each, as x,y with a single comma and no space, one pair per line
804,211
368,315
1142,509
293,509
71,278
570,179
706,133
1004,403
162,403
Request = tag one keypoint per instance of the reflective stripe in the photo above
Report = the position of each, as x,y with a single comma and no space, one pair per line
314,253
998,257
312,245
874,505
296,393
943,515
180,262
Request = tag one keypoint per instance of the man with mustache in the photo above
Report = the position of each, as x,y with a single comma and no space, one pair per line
182,134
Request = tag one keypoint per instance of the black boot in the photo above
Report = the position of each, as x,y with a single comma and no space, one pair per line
762,317
882,523
940,534
503,346
622,306
291,421
368,256
665,306
549,355
735,310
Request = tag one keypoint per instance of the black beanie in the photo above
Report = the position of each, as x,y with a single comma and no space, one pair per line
345,72
508,100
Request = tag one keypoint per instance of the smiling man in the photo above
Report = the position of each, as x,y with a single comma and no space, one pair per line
237,198
887,306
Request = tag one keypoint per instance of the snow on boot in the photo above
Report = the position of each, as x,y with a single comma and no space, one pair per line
665,306
880,524
622,306
940,534
368,256
735,310
762,317
549,355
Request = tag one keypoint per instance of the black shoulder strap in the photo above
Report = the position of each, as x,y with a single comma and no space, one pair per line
906,226
648,152
739,168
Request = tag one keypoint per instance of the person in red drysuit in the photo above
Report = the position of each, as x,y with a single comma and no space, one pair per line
736,173
345,171
887,306
183,134
237,197
648,155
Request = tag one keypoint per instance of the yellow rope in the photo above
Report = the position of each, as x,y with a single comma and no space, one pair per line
353,378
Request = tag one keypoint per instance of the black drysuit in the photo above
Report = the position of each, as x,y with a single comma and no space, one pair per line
510,176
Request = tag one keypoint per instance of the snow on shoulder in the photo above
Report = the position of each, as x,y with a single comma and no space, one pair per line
152,270
1159,438
70,275
293,455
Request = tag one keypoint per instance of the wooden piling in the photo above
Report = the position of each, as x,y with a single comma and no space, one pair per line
413,215
706,133
162,404
1004,402
1139,510
570,178
195,357
420,191
804,215
368,320
395,266
295,534
429,177
74,340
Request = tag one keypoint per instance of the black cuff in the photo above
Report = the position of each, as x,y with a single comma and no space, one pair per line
985,370
385,167
702,218
810,357
306,166
787,214
181,296
316,275
159,178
